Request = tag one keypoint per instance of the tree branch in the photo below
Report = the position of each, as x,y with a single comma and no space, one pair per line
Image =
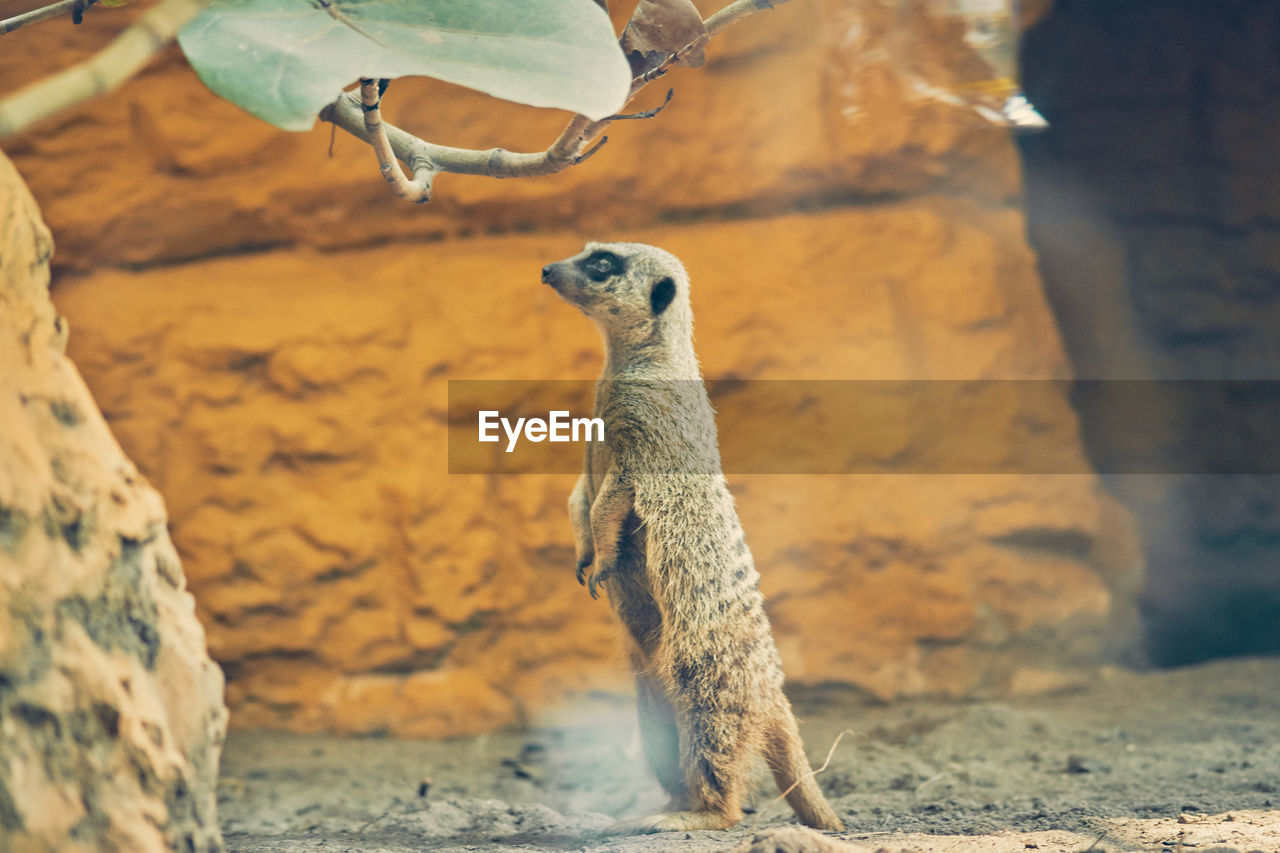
157,27
35,16
425,159
417,190
734,12
102,72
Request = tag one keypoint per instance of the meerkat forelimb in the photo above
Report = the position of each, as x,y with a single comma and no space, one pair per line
580,517
655,526
609,510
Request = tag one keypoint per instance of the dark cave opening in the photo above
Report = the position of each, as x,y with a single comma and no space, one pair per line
1154,203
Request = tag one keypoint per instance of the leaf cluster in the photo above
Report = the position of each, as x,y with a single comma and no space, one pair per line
285,60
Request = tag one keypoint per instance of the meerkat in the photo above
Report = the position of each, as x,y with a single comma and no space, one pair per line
655,527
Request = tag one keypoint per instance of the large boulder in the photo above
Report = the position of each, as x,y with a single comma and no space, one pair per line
111,712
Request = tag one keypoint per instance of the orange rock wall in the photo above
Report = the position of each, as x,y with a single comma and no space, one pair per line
270,334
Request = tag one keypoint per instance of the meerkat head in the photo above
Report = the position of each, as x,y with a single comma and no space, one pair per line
632,291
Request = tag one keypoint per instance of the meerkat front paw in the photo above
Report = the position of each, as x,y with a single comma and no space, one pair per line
584,563
596,575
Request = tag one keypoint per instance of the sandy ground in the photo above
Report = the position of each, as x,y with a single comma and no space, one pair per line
1185,760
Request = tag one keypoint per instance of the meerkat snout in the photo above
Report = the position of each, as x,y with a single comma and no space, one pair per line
560,276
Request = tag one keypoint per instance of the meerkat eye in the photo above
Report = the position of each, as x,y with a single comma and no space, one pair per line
602,265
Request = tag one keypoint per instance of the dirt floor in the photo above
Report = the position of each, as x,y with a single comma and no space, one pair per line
1185,760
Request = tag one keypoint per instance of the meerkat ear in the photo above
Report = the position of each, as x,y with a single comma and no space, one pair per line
661,295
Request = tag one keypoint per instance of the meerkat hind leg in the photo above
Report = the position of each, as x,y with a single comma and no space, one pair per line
713,753
661,740
712,793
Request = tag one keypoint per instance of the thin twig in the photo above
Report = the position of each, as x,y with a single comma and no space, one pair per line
591,151
35,16
566,151
718,22
419,189
333,12
371,821
1096,841
647,113
809,775
102,72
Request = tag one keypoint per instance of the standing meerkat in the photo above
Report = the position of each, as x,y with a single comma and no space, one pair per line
654,525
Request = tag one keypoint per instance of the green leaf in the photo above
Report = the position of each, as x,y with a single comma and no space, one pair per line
283,60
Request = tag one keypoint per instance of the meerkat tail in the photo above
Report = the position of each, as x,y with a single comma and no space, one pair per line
784,752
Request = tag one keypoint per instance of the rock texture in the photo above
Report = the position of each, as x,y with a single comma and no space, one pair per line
111,712
290,401
1154,201
294,412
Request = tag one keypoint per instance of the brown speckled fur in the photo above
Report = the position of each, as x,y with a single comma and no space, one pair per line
655,526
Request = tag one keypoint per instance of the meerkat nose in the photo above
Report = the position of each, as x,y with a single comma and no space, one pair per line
546,273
